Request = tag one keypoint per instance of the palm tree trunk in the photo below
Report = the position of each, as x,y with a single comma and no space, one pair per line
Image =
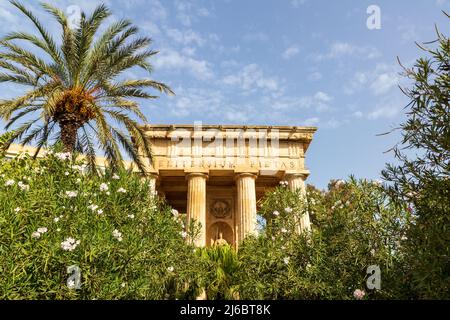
68,134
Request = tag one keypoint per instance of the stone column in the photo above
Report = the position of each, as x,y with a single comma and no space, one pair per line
196,204
246,205
296,182
152,181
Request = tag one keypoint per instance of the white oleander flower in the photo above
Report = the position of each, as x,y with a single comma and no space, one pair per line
42,230
175,213
69,244
170,269
123,284
63,156
71,194
117,234
99,211
115,177
288,210
17,210
36,235
340,183
23,186
9,183
286,260
284,230
183,234
66,173
359,294
93,207
122,190
131,216
276,213
104,187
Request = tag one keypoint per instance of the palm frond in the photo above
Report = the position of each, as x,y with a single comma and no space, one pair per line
51,45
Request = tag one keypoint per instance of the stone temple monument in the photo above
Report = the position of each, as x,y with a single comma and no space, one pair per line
217,173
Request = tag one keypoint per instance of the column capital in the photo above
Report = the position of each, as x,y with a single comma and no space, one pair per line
293,175
191,175
244,175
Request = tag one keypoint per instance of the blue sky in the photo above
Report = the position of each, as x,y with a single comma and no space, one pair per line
290,62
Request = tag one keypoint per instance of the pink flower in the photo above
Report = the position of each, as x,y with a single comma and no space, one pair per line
359,294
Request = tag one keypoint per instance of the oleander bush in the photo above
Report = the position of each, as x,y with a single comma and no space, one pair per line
126,242
354,226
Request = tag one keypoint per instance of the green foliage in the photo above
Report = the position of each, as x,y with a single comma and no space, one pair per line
354,226
146,258
222,265
5,141
423,181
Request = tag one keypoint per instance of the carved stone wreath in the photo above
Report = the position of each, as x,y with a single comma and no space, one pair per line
220,209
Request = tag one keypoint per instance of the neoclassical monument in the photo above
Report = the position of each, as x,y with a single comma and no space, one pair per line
217,173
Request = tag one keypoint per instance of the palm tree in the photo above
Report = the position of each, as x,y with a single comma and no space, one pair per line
75,92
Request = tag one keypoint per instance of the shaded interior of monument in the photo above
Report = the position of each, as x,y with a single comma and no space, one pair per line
220,199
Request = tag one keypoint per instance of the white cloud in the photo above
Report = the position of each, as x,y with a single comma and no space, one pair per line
380,80
311,121
189,12
186,37
334,123
322,97
196,101
320,101
236,116
290,52
151,28
251,78
344,49
189,51
209,104
357,114
387,108
384,83
170,59
358,80
6,16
